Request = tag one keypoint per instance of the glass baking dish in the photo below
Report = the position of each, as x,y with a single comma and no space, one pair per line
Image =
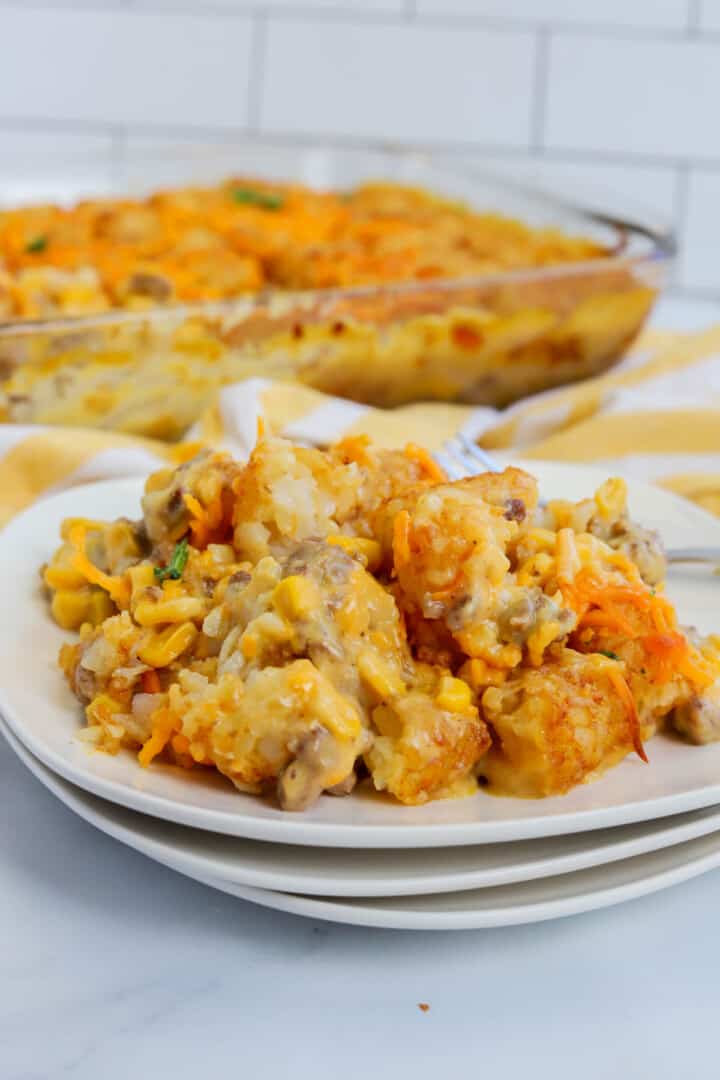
488,340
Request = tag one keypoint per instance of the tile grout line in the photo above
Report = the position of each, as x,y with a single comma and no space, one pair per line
691,292
407,11
256,70
538,104
118,152
693,18
680,215
451,148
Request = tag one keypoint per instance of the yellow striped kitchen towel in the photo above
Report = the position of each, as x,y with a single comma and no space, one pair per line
655,417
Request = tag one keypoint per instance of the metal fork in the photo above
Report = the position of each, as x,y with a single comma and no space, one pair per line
460,457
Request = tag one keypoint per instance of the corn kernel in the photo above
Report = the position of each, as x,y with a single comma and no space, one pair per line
342,720
302,678
69,608
535,569
159,480
102,709
88,523
479,674
166,646
197,751
387,722
538,641
99,607
271,628
453,695
611,497
62,575
379,676
295,597
366,551
141,577
249,646
176,610
172,589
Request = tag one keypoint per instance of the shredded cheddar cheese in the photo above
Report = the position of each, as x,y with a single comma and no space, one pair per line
195,244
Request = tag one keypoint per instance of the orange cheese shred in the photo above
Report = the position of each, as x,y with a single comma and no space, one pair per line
427,463
355,448
671,651
611,620
625,694
180,744
198,523
118,588
401,539
163,727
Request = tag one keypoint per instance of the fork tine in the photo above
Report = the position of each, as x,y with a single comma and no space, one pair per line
465,459
450,465
453,454
478,455
455,458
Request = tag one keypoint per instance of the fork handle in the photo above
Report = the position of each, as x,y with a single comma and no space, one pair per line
680,555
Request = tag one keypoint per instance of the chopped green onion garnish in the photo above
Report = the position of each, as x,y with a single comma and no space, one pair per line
36,245
175,567
610,655
264,199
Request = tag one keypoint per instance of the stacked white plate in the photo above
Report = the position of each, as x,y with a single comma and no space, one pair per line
473,862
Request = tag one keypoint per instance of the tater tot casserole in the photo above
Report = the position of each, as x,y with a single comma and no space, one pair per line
245,235
382,293
313,620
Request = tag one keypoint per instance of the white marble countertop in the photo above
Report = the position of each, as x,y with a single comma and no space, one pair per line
114,968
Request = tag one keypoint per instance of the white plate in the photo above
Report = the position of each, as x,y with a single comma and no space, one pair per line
506,905
43,714
331,872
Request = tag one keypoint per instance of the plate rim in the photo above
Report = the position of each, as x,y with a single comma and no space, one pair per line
335,911
338,910
101,819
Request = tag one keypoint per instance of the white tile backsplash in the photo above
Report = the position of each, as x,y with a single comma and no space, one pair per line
645,191
357,7
632,96
72,4
413,82
709,15
607,101
671,14
20,143
700,256
50,166
123,67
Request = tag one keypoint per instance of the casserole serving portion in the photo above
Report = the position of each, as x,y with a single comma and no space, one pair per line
314,618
